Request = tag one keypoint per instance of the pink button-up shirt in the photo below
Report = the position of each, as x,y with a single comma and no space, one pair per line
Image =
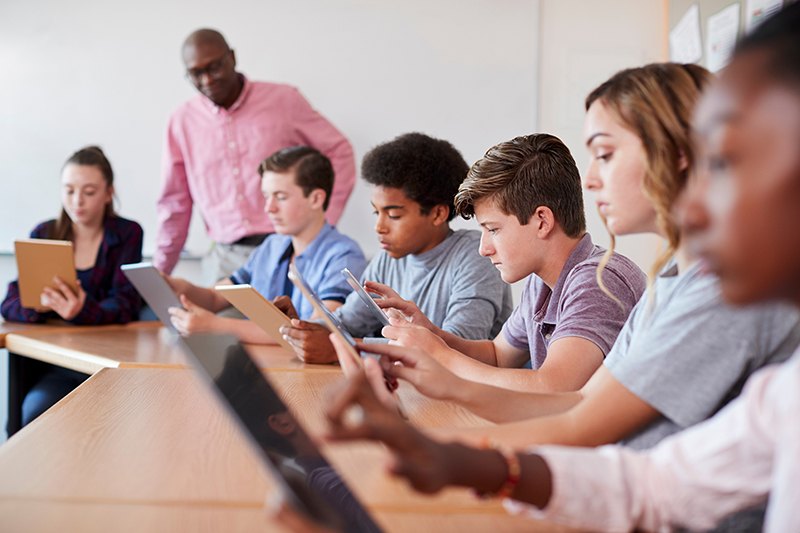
211,158
750,450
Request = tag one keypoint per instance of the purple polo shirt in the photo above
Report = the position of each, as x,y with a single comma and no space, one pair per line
576,306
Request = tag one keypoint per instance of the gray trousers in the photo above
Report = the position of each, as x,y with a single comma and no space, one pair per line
222,260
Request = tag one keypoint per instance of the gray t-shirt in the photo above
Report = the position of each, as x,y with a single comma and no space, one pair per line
687,353
456,288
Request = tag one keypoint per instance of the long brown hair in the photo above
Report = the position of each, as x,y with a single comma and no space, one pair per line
656,103
91,156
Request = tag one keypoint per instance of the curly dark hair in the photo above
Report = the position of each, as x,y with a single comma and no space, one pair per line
427,170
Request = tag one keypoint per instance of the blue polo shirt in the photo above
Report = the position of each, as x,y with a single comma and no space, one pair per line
320,265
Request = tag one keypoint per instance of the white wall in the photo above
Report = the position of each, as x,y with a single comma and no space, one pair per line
582,43
92,71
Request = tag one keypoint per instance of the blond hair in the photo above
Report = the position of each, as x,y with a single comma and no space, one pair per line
656,103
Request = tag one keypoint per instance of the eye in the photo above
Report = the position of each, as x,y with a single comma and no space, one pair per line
605,156
717,164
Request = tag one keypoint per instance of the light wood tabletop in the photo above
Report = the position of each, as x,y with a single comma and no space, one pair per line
150,446
134,345
156,434
46,516
21,327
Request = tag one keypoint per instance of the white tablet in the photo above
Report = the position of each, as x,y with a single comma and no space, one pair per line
379,313
154,289
333,323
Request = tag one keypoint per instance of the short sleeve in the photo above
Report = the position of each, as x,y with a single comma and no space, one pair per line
586,311
685,358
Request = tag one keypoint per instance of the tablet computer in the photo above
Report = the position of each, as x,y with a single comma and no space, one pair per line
379,313
258,309
333,323
307,481
154,289
38,262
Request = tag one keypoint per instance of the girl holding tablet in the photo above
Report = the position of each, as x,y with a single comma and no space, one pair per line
102,242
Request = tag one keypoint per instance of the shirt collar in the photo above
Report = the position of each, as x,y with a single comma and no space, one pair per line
582,251
246,89
312,248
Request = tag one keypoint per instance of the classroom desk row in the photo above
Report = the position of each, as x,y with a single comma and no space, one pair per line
142,445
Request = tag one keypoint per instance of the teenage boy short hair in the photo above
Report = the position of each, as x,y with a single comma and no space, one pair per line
313,170
525,173
427,170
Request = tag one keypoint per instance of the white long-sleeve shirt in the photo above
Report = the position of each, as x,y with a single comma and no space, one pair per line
747,452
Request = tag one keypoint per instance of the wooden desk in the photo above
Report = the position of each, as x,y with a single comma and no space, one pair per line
89,517
155,437
134,345
146,435
21,327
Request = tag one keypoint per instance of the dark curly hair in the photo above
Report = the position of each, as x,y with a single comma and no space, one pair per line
427,170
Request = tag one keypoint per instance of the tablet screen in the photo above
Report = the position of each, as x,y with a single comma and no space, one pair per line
308,480
379,313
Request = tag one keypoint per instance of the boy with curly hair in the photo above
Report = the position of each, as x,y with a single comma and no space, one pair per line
415,179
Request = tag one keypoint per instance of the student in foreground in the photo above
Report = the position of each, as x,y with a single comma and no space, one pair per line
102,241
737,216
526,195
297,183
415,178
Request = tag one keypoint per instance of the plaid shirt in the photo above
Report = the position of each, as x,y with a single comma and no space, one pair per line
110,297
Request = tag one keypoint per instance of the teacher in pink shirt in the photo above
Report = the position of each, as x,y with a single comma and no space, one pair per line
214,144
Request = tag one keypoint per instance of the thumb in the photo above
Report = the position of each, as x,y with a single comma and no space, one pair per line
187,303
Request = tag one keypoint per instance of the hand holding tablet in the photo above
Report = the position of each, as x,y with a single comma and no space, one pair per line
39,262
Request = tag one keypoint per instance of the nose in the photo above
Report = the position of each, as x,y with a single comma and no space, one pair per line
485,248
271,206
380,224
592,181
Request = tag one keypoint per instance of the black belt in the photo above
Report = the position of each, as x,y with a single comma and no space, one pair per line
252,240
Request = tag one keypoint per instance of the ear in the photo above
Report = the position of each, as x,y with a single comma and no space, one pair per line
233,57
110,191
317,198
683,161
439,214
545,221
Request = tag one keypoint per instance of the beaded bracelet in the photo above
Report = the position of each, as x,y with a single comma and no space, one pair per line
513,469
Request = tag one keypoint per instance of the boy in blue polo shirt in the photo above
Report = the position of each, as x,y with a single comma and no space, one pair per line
297,183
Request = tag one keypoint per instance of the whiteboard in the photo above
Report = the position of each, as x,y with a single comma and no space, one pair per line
109,73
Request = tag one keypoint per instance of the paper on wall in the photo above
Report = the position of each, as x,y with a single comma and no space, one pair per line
685,43
721,34
758,10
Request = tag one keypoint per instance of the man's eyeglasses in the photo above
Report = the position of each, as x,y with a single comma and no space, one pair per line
213,69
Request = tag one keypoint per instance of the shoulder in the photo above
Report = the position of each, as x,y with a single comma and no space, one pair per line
274,243
186,109
619,269
338,242
44,229
268,90
125,227
465,240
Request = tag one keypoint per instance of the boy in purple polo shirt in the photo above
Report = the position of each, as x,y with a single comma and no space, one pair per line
526,195
297,183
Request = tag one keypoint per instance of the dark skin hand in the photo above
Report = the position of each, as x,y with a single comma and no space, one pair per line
309,339
355,413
